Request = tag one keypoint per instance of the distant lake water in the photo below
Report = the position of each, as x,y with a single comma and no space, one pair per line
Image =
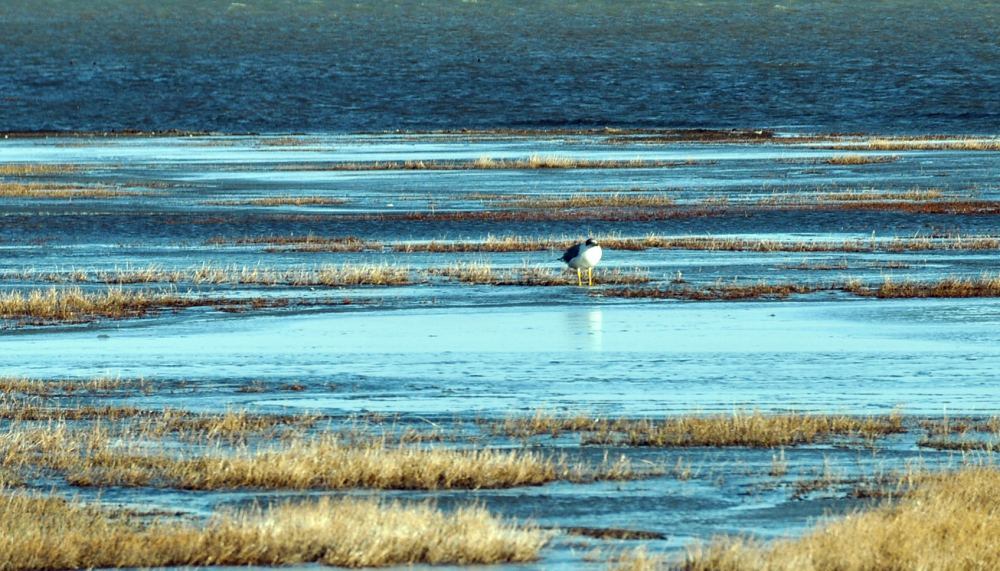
892,66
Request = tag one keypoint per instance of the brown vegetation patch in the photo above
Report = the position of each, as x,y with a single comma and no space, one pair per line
66,387
141,424
478,273
933,145
59,191
92,458
34,169
482,163
915,195
346,275
860,159
594,201
308,242
951,287
612,533
281,201
76,306
752,429
948,522
718,292
983,286
48,533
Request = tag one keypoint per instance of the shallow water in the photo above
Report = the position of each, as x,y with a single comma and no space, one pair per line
337,66
445,354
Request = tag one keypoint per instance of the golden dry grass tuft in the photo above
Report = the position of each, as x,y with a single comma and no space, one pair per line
306,243
329,275
48,533
858,196
860,159
482,163
751,429
60,191
718,291
75,305
280,201
594,201
969,144
33,169
66,387
951,287
947,522
485,274
108,453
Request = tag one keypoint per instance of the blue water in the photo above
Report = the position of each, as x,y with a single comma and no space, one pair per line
269,66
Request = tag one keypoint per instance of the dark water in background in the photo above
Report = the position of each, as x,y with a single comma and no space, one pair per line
893,66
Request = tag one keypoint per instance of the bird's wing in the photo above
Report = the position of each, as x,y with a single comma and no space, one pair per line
571,253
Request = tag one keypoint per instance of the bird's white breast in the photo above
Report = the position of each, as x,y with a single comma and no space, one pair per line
591,256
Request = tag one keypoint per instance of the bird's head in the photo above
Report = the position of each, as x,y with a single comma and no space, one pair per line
591,242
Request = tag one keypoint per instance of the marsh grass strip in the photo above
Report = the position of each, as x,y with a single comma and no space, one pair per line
48,533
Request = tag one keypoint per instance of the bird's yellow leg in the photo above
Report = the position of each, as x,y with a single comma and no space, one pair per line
590,277
579,278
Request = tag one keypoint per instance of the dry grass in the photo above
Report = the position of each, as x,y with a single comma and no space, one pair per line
752,429
281,201
952,287
948,522
594,201
59,191
47,533
99,457
76,306
513,243
860,159
65,387
481,273
33,169
933,145
306,243
638,559
345,275
287,141
483,163
142,424
855,196
719,292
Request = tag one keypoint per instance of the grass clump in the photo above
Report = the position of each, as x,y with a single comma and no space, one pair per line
100,457
53,191
951,287
77,306
326,275
65,387
483,163
481,273
969,144
860,159
281,201
717,292
751,429
947,522
307,243
594,201
34,169
47,533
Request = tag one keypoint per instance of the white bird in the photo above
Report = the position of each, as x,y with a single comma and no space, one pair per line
584,255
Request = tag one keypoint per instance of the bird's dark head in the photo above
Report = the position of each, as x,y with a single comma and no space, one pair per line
591,242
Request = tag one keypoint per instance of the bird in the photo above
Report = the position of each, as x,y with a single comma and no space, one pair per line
583,255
